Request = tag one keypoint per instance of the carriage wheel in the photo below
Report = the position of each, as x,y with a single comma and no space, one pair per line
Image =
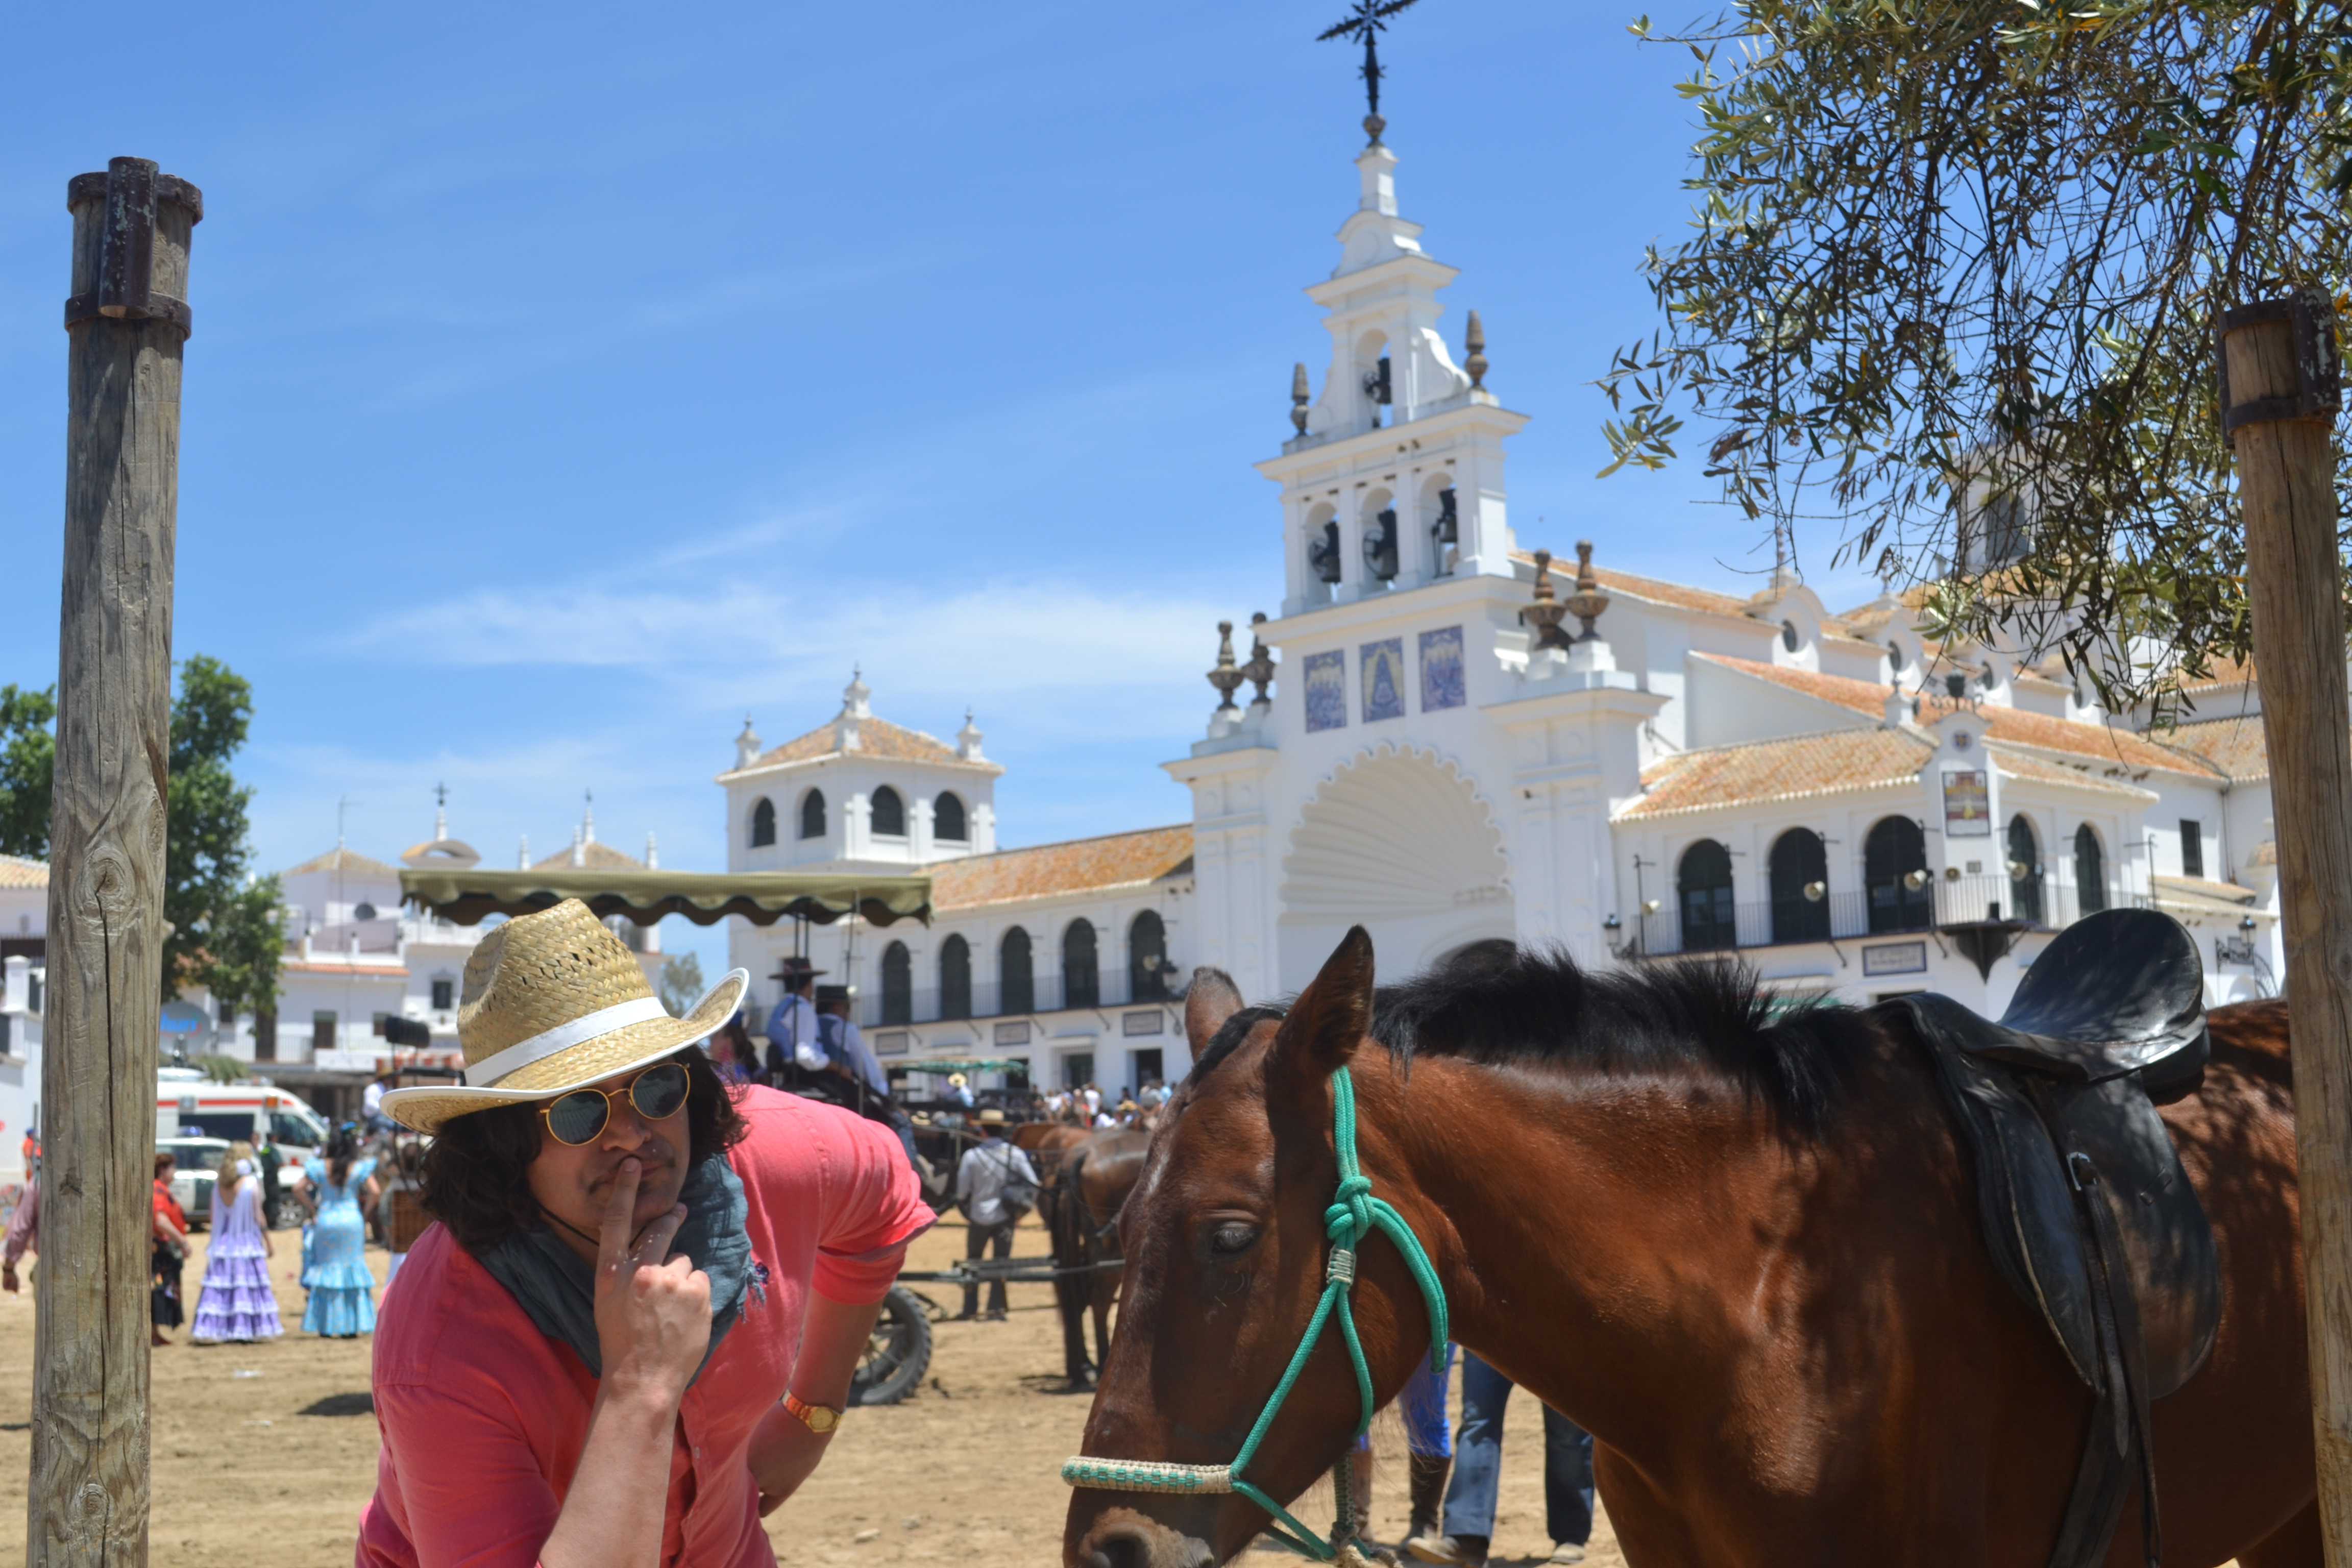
898,1352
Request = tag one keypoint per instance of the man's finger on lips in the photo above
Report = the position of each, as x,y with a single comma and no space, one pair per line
613,1245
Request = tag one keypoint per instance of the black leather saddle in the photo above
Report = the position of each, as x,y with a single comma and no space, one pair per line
2088,1212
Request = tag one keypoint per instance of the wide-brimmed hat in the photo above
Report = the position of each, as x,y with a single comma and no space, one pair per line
553,1002
992,1117
795,970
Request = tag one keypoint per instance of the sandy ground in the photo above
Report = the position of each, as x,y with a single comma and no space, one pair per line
264,1453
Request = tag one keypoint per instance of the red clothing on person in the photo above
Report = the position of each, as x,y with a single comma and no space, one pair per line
484,1417
169,1206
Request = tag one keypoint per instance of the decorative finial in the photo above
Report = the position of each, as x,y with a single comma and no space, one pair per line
1260,669
1298,396
1225,677
588,816
653,855
522,854
1546,612
968,740
747,744
1587,603
1367,21
440,812
1474,340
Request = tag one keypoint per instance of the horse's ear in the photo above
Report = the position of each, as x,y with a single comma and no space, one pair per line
1209,1001
1333,1014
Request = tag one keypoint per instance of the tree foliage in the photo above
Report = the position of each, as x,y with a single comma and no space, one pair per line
681,984
224,934
1951,251
28,754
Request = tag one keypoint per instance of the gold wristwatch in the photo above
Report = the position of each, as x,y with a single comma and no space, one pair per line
818,1418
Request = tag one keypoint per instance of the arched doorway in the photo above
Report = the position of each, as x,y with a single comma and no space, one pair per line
1799,871
1895,875
1399,842
1703,890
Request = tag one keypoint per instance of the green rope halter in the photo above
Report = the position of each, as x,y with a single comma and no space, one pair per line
1354,1214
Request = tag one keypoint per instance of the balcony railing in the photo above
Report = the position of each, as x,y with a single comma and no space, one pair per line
1939,903
877,1007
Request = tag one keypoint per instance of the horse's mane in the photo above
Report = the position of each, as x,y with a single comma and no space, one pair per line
1496,1002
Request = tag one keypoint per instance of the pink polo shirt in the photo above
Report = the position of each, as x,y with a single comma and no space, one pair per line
483,1416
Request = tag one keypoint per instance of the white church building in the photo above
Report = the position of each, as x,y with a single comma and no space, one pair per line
1451,738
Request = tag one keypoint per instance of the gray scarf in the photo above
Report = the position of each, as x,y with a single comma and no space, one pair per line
558,1288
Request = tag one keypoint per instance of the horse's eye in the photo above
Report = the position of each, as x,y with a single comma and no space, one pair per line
1228,1239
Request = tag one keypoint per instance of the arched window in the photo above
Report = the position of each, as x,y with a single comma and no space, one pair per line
947,822
1146,950
955,978
1800,887
763,823
1081,975
1016,973
2024,870
813,815
2090,872
897,984
889,813
1895,874
1705,884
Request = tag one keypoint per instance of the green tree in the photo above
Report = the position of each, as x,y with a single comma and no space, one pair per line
246,941
205,851
681,982
29,753
1941,245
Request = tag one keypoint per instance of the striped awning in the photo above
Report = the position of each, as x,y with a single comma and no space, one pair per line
764,898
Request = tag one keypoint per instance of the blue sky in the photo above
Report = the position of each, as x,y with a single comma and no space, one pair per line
569,381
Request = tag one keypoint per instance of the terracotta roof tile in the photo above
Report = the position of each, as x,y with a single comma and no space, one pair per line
2032,769
876,737
2199,895
2236,745
1076,866
1680,594
18,873
2225,672
1863,696
1798,768
596,858
2100,743
344,860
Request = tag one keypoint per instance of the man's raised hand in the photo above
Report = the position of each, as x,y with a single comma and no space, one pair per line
652,1311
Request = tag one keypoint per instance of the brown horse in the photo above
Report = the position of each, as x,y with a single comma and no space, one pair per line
1082,1218
1745,1254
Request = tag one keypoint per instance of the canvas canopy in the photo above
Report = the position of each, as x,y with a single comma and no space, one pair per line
989,1064
764,898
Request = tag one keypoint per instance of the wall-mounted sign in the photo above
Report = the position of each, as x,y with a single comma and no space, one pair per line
1153,1023
1968,804
1015,1033
890,1043
1896,958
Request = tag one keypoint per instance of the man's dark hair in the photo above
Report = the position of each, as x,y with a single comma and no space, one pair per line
474,1174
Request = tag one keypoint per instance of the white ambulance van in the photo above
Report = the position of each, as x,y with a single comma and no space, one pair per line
189,1105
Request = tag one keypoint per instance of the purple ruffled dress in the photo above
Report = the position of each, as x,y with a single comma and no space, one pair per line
237,1303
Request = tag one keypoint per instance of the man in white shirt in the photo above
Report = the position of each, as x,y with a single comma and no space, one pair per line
793,1037
987,1169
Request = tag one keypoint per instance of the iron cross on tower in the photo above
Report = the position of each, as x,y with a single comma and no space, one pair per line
1367,21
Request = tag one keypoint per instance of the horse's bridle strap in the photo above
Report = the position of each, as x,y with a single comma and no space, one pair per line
1354,1215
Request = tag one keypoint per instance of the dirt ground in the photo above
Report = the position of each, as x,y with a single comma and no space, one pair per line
264,1453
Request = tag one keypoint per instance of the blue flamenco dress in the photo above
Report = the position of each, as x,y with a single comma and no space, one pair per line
343,1290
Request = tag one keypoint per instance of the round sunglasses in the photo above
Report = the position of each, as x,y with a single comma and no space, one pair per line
654,1094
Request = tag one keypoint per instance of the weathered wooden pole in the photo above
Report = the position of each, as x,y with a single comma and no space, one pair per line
126,323
2280,392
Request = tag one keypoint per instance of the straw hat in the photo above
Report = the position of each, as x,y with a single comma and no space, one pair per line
992,1117
553,1002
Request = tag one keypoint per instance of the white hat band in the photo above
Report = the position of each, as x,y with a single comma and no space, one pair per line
563,1036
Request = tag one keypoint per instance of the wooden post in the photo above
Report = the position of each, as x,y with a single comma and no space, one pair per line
126,322
2278,401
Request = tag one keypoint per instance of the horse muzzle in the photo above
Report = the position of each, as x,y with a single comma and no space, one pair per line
1122,1538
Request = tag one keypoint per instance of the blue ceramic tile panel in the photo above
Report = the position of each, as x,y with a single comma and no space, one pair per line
1383,673
1440,669
1327,690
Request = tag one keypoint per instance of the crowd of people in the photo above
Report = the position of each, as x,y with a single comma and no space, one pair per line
236,1301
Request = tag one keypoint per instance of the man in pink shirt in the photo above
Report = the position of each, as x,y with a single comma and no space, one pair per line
632,1331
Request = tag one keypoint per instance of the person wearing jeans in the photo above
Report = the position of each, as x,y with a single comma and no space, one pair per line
1477,1470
